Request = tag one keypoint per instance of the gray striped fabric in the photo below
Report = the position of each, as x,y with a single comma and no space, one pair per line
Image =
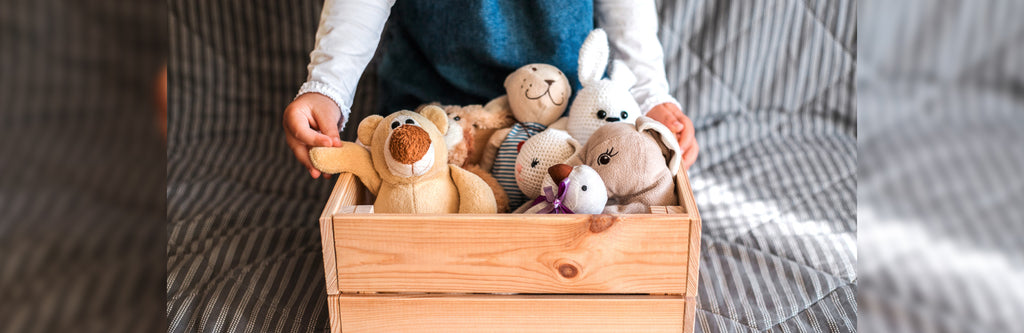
941,159
769,85
82,166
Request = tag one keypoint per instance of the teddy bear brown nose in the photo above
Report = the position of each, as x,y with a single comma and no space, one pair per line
408,144
549,81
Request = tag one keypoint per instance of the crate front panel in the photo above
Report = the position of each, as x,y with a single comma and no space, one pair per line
509,313
575,254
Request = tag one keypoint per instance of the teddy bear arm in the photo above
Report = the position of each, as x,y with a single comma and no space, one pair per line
475,197
351,158
491,150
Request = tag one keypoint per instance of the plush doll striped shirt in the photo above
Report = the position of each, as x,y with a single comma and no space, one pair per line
504,169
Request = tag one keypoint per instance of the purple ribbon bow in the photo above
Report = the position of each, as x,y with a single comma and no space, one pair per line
557,206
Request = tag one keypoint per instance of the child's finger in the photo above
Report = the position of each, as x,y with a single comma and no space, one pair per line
328,124
690,156
312,138
301,152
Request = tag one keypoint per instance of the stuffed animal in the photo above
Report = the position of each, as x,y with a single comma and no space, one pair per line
405,165
570,190
637,163
537,94
469,128
601,101
547,148
477,124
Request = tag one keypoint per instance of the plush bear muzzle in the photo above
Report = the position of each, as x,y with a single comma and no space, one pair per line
409,144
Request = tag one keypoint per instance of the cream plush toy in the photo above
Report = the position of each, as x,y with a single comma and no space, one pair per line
570,190
537,95
601,101
547,148
405,165
637,163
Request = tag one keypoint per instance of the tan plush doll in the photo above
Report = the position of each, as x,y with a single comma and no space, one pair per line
469,128
637,163
537,94
405,165
477,123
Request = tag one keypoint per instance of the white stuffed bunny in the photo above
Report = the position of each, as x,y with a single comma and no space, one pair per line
575,190
536,155
601,101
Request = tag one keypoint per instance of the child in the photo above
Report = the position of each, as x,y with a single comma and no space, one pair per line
459,52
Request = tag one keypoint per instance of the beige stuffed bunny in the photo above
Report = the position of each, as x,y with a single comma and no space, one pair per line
638,164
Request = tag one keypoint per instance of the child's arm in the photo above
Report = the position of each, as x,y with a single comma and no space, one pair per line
346,39
632,27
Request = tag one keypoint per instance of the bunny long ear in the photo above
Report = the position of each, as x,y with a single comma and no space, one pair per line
621,75
593,57
665,138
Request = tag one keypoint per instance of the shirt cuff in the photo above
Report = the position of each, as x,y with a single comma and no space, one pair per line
656,100
326,90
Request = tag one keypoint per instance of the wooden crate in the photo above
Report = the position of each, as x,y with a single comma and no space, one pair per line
509,273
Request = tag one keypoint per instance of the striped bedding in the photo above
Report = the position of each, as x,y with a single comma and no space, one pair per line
769,85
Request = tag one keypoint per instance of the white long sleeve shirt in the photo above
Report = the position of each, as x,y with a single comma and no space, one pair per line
350,30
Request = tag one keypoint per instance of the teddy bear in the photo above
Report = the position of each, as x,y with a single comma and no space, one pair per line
600,101
570,190
476,124
638,164
405,165
537,95
537,154
469,128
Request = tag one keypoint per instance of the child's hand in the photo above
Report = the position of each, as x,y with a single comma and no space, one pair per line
677,122
311,120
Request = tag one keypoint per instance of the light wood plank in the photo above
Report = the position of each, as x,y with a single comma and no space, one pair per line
512,253
511,313
334,312
346,192
686,195
690,314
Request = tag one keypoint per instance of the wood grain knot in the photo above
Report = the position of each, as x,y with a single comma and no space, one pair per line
600,223
568,271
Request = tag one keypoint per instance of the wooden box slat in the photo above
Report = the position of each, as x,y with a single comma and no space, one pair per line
511,253
509,313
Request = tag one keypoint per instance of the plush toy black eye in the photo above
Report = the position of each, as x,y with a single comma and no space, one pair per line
457,118
534,163
394,125
409,121
624,114
606,157
584,187
601,114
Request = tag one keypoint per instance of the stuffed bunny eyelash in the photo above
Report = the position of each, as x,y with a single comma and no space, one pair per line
533,164
610,152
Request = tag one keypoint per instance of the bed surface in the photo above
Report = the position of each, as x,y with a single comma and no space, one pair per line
768,84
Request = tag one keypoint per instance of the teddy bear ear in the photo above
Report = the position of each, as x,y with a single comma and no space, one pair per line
593,57
437,116
665,138
621,75
366,128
